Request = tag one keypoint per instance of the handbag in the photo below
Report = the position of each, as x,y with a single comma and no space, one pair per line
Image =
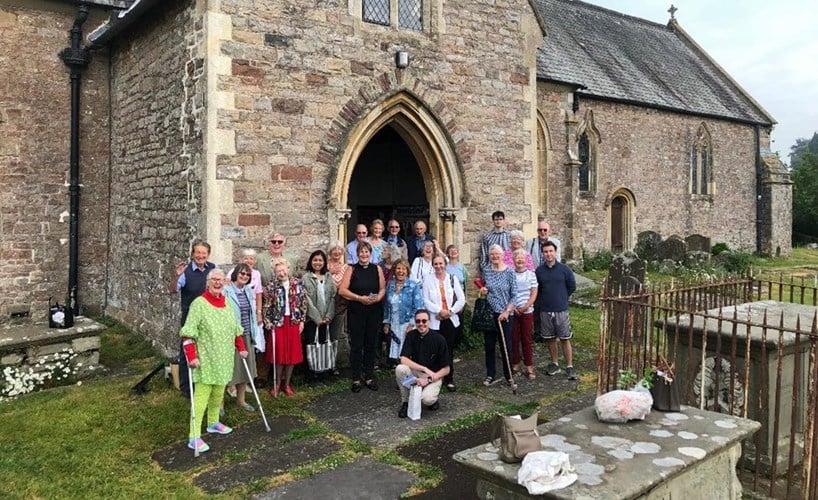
482,317
415,393
321,355
665,394
518,437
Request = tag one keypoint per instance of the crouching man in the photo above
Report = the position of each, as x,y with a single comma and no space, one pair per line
426,357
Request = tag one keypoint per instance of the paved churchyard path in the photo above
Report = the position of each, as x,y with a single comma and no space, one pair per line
370,419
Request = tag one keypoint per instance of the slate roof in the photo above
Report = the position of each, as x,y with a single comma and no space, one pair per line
623,58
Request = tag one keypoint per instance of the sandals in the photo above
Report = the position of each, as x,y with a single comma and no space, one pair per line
530,374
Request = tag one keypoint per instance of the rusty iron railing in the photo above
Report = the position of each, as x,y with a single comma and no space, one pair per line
744,346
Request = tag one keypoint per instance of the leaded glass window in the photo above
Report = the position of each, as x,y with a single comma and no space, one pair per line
376,11
410,14
584,163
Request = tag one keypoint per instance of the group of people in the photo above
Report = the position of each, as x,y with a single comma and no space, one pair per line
408,294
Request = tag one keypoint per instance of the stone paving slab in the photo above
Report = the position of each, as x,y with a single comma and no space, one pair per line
373,416
247,437
364,478
15,336
268,459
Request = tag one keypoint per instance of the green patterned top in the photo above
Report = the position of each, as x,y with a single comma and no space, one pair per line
214,330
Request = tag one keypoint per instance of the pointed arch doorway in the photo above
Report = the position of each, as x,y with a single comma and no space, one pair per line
621,206
387,183
400,150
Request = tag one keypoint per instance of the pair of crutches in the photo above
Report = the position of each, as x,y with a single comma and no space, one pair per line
195,423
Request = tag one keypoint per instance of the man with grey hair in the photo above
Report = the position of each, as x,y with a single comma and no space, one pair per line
264,262
352,247
535,244
190,281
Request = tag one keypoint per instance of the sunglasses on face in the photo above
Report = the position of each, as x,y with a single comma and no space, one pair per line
361,232
421,321
542,230
276,242
394,227
242,273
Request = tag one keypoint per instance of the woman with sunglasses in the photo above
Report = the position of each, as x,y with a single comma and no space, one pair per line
241,298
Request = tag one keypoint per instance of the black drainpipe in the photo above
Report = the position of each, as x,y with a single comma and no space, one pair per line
76,58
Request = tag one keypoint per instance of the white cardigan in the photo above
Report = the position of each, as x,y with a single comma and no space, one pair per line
434,304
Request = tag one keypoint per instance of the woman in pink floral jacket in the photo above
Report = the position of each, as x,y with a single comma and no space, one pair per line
284,306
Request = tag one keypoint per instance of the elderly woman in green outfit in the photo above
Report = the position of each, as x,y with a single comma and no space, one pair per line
209,336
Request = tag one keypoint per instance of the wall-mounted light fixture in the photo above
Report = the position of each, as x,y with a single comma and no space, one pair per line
401,59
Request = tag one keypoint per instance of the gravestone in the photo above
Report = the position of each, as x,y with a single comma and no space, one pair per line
698,243
647,245
673,248
627,324
697,259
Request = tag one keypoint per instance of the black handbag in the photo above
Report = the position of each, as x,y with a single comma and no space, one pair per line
665,394
482,318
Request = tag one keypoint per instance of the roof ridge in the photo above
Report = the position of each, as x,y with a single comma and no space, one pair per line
614,13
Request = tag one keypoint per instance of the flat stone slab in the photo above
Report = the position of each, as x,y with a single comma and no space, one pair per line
622,460
245,438
372,416
16,336
268,458
364,478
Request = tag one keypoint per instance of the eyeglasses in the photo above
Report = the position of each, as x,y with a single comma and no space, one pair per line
242,273
421,321
361,232
539,229
276,242
216,280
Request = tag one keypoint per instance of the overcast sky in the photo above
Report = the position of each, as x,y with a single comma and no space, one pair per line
769,47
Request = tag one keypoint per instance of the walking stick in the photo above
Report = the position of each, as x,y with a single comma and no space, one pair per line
194,423
255,393
275,372
504,348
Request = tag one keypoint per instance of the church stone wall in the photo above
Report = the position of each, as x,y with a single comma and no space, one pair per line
299,69
35,108
648,152
157,109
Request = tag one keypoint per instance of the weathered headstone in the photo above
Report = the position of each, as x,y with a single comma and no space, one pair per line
697,259
673,248
647,245
698,243
626,275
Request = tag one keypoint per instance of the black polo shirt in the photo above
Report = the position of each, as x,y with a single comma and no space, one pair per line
428,350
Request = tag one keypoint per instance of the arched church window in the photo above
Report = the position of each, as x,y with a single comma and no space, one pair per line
701,162
406,14
585,163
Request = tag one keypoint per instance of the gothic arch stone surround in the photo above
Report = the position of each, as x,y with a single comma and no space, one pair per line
429,130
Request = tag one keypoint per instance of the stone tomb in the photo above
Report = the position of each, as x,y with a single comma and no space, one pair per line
667,455
762,379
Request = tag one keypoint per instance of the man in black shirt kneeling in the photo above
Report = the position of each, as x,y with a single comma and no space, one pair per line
426,357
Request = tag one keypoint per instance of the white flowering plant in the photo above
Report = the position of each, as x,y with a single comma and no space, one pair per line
50,370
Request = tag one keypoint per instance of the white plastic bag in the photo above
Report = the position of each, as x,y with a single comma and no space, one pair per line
620,406
543,471
259,341
414,402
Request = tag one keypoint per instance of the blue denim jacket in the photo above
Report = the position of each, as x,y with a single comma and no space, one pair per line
410,301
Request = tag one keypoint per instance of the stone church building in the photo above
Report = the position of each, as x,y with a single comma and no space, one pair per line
130,127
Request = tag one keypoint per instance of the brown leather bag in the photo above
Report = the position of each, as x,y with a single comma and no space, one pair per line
517,437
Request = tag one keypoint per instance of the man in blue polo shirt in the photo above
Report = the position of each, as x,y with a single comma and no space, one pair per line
190,281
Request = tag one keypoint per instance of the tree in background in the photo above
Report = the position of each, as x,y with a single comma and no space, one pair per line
804,172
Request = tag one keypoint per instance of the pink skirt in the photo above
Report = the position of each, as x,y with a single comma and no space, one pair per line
287,344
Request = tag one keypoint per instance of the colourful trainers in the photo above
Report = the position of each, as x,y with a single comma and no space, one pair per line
219,428
198,444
